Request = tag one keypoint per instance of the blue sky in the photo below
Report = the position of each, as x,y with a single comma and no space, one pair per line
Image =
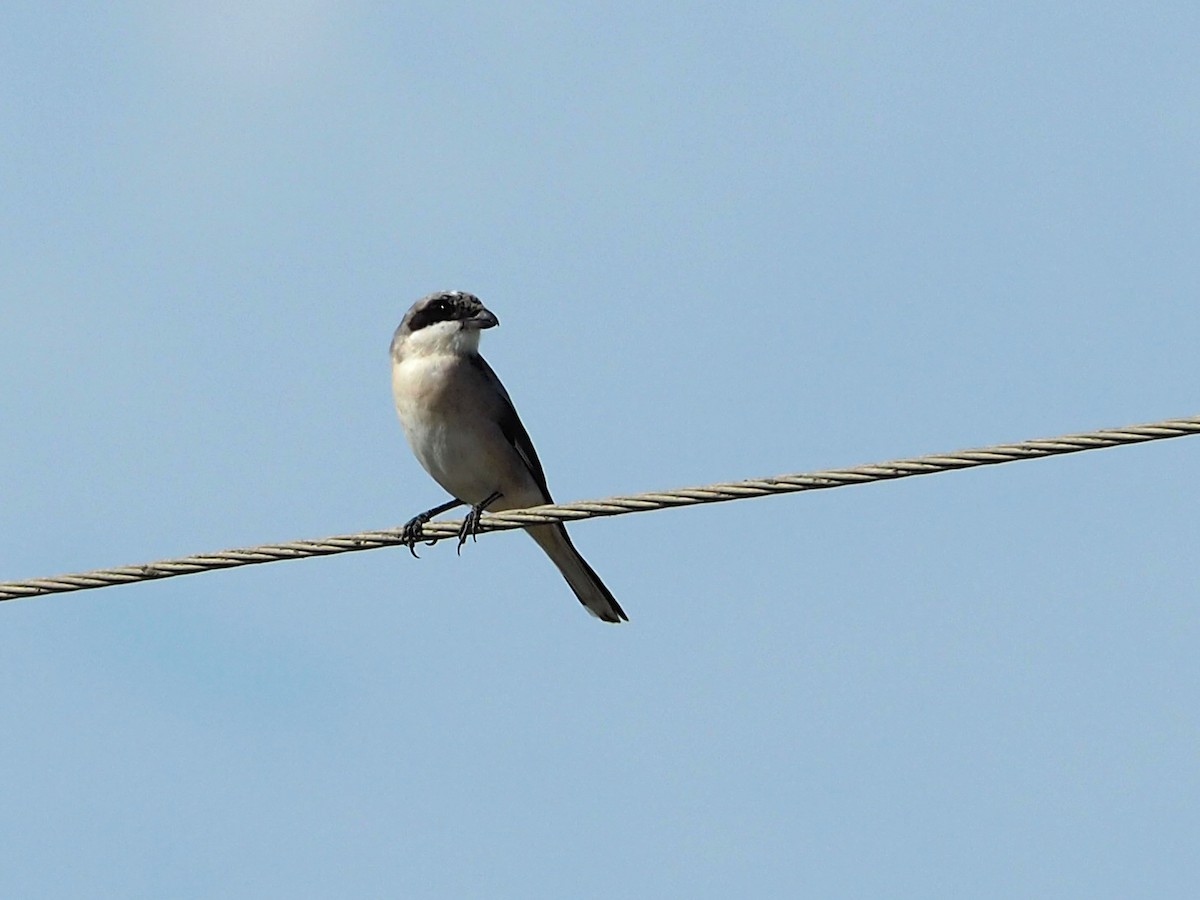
722,243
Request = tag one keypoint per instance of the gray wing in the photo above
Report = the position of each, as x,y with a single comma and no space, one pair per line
510,425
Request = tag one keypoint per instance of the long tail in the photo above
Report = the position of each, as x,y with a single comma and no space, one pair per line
582,578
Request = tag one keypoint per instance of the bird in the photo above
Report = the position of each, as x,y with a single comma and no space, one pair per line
465,432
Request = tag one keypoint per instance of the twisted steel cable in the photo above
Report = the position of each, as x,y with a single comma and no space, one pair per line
611,506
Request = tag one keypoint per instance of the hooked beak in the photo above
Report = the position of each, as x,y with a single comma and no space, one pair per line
482,319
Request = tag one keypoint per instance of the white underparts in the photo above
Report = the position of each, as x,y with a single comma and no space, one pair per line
442,338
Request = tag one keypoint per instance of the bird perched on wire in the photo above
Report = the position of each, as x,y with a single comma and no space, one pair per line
464,430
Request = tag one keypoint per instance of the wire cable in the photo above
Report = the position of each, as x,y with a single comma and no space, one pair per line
611,506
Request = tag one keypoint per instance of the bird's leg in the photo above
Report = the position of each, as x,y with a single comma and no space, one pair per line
470,525
414,527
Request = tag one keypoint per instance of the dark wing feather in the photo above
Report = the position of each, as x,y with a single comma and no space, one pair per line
514,431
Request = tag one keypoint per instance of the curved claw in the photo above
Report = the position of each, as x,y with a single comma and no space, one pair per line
471,523
470,527
414,530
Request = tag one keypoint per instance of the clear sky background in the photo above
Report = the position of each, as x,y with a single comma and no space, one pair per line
722,242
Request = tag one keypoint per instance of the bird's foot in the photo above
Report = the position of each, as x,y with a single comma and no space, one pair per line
414,528
414,531
470,525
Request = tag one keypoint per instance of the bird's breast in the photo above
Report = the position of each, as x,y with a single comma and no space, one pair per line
426,388
438,405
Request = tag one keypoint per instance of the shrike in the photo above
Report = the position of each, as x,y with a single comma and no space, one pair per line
464,430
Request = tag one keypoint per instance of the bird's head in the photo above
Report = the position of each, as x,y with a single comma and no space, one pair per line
442,322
